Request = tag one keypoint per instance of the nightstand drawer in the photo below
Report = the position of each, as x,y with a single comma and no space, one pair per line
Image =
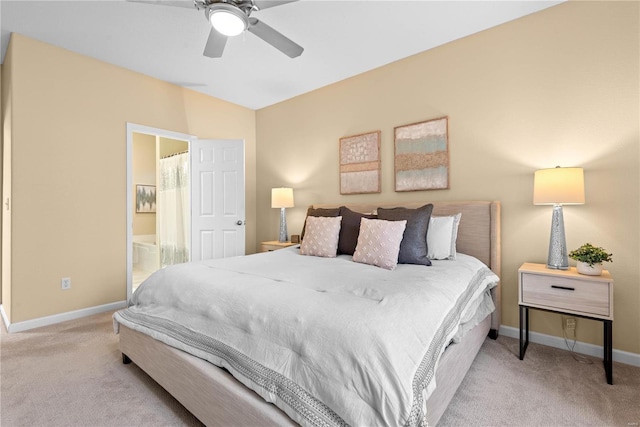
560,293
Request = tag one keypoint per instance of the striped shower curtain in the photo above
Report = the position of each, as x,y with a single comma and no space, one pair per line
173,214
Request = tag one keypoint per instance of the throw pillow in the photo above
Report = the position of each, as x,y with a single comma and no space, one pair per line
350,229
379,242
322,237
327,212
413,249
442,235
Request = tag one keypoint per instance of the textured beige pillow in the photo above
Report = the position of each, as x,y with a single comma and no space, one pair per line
321,236
379,242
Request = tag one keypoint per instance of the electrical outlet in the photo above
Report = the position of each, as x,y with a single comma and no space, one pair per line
65,283
570,324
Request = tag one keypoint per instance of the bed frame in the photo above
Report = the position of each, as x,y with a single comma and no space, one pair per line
217,399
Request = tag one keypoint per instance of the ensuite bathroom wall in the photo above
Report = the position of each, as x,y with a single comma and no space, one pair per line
147,150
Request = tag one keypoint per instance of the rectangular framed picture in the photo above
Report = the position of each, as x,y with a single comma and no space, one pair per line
360,163
145,198
422,155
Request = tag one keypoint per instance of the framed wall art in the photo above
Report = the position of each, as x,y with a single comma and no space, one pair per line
360,163
145,198
422,155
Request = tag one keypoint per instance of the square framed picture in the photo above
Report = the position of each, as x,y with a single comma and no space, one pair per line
422,155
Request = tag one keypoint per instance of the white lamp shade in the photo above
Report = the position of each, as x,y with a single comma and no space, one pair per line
558,186
282,197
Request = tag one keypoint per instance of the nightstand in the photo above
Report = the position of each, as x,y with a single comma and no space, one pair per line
567,292
274,245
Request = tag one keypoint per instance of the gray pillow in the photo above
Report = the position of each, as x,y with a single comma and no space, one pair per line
413,249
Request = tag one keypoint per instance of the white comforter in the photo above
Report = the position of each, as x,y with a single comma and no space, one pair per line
329,341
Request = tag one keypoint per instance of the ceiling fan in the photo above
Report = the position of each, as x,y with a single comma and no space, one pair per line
229,18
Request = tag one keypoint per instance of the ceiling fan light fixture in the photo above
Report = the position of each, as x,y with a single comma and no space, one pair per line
227,20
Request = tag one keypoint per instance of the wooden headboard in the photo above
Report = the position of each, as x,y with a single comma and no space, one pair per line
478,232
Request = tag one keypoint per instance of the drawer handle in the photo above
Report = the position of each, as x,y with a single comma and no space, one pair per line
566,288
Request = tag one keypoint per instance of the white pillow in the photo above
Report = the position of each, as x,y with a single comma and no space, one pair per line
442,235
321,236
379,242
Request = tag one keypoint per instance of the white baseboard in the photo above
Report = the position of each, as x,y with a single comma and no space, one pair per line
58,318
5,319
625,357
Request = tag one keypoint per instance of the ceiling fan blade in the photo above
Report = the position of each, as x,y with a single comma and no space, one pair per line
189,4
274,38
215,44
265,4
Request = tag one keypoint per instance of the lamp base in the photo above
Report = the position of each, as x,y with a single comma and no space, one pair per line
557,267
283,227
558,258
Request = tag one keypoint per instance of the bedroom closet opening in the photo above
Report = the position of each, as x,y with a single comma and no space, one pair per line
161,205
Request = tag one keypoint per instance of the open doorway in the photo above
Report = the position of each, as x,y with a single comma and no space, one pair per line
158,205
161,218
214,209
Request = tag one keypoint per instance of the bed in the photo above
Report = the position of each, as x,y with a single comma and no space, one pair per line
217,397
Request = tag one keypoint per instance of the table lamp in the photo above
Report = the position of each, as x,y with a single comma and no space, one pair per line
282,198
558,186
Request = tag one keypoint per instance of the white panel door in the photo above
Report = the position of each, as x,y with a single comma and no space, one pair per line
217,199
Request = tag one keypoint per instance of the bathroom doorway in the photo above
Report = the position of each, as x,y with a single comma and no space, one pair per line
161,214
158,205
213,206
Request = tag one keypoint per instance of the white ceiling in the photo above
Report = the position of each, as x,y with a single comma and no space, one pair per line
340,38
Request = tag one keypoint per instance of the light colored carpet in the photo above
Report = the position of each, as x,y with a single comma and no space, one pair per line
548,388
71,374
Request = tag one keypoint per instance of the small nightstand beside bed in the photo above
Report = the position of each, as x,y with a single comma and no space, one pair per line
568,292
329,341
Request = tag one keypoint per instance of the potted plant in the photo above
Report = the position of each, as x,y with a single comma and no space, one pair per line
590,258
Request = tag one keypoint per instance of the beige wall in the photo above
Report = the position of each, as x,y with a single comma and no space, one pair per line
559,87
5,101
69,165
168,146
143,172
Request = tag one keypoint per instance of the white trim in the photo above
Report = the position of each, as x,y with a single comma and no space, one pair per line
5,319
625,357
58,318
131,129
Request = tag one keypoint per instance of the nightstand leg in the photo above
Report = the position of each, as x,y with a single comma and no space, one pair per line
524,333
608,350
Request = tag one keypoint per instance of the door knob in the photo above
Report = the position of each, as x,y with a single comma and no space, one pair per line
239,222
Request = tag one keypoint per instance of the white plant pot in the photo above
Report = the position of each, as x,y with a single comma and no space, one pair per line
584,268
